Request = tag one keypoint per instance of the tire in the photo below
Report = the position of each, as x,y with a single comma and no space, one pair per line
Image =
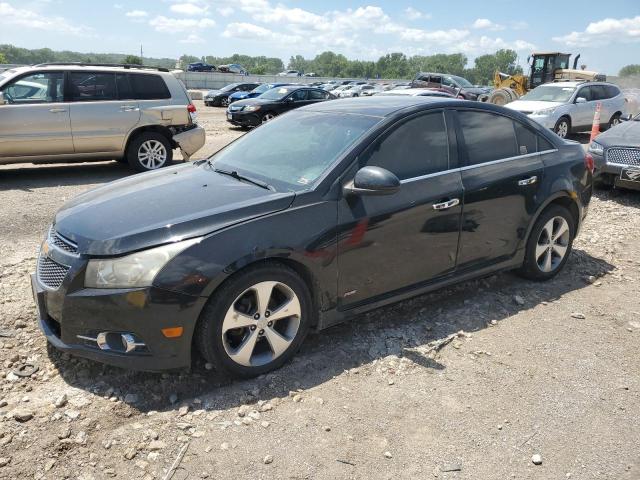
615,120
224,102
158,150
208,104
236,300
604,181
267,117
542,260
562,127
499,97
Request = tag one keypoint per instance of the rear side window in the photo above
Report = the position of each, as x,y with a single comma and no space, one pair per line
612,91
124,87
416,147
92,86
148,87
488,137
526,139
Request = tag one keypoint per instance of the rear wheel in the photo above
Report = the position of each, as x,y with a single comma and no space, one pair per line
149,151
256,321
615,120
562,127
549,244
500,97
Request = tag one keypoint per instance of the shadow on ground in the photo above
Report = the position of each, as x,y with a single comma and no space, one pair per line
393,330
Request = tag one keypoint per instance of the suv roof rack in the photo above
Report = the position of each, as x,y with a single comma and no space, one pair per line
117,65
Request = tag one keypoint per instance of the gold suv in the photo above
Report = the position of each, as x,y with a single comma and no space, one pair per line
83,112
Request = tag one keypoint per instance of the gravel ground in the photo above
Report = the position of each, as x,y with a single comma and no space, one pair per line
472,382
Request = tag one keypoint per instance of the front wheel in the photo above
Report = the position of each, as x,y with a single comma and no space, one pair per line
549,244
267,117
149,151
562,127
225,101
256,321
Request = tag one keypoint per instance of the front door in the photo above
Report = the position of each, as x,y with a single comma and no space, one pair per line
388,243
502,174
35,120
582,113
100,122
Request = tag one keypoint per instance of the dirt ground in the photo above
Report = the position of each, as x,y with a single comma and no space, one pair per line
531,369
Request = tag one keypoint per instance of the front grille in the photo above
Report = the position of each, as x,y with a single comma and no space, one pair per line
624,156
61,242
51,273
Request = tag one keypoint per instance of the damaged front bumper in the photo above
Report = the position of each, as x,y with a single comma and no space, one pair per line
190,141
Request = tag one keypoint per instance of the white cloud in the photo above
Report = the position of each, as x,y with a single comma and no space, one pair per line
603,32
412,14
175,25
250,31
24,18
136,14
190,9
225,11
193,39
486,24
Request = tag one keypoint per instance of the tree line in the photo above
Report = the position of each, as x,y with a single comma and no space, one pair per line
326,64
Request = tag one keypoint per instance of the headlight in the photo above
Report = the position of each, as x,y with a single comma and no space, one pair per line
545,111
134,270
251,108
596,148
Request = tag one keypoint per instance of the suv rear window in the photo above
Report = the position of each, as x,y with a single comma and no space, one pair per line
148,87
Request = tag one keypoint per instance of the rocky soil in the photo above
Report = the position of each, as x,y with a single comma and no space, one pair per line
498,378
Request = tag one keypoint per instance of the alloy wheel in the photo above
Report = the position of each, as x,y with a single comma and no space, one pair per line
225,101
553,243
562,130
152,154
261,324
268,117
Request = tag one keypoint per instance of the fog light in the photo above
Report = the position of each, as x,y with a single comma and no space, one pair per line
114,341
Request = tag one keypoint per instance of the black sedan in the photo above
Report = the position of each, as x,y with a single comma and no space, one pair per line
616,154
220,98
317,216
254,111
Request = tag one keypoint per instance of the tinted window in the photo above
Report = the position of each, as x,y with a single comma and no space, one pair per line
612,90
36,88
92,86
124,87
585,93
599,92
149,87
436,79
526,139
416,147
487,137
544,144
299,95
317,95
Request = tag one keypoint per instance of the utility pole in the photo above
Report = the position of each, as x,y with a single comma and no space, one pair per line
141,57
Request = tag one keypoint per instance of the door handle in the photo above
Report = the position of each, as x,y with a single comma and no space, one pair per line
528,181
128,108
446,205
57,110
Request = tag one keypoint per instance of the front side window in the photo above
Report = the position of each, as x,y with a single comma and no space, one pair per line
36,88
585,93
293,151
92,86
416,147
299,95
317,95
148,87
488,137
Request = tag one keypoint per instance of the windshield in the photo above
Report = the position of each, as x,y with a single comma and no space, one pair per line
229,87
276,93
461,82
546,93
262,88
293,151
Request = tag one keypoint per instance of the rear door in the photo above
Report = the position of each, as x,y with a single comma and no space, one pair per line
36,120
501,176
103,111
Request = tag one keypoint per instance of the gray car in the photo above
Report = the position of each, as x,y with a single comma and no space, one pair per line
616,155
82,112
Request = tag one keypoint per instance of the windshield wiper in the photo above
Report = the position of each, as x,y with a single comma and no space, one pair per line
242,178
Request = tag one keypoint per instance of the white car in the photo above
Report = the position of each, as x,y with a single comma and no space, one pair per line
289,73
567,107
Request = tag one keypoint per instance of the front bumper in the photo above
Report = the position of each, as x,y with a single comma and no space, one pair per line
241,119
190,141
547,121
602,167
71,316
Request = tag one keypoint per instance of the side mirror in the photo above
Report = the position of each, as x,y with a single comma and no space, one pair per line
373,181
581,100
3,100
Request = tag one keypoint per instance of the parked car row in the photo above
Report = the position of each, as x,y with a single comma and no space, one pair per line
205,67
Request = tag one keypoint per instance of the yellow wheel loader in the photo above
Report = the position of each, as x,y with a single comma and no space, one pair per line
545,67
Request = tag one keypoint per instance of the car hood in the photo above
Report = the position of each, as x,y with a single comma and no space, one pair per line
213,93
475,90
531,105
167,205
627,134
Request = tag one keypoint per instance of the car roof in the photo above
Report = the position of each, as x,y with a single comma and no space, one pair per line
381,106
89,67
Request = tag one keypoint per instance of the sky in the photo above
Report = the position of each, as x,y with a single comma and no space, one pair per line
607,34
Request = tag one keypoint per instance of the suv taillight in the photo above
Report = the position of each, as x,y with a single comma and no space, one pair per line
588,162
191,108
